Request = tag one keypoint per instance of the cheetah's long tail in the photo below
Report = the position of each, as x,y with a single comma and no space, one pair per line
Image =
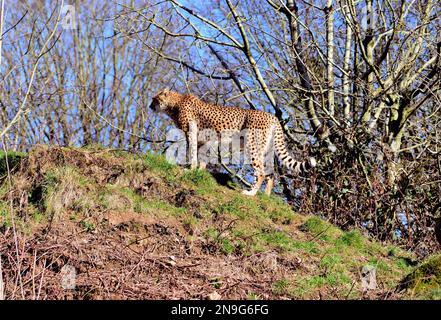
283,154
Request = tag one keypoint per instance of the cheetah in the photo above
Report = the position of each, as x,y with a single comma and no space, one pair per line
191,114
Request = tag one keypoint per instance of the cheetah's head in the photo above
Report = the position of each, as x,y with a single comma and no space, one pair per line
164,100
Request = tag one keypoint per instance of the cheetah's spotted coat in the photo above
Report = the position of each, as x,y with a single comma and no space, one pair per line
190,114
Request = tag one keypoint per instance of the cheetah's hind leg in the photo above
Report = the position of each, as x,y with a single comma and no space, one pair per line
255,139
202,165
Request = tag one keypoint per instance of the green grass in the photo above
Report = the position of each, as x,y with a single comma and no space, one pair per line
159,165
351,238
253,296
321,229
277,239
88,226
237,207
274,208
309,286
280,286
146,206
225,243
5,220
201,180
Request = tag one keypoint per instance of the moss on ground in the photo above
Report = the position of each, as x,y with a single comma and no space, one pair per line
9,159
425,281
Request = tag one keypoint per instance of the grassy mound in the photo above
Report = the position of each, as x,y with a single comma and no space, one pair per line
136,227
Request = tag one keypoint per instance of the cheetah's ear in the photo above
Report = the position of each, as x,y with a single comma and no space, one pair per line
162,91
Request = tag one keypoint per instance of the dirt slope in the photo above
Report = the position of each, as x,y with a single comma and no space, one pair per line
102,224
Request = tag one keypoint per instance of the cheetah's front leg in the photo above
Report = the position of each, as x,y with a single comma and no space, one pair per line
193,144
260,176
255,187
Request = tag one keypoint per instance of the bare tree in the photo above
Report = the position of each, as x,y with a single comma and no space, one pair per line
354,83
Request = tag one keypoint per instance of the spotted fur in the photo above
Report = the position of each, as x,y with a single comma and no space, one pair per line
191,114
